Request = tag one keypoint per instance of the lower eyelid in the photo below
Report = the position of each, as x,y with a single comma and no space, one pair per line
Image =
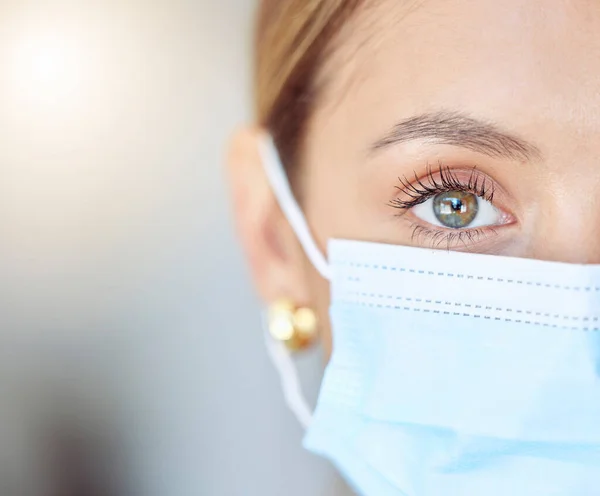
451,238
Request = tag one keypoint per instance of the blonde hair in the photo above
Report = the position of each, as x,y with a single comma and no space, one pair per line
292,37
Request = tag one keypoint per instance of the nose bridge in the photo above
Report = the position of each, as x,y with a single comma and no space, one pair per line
566,222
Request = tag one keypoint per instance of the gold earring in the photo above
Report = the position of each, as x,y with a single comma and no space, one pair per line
296,327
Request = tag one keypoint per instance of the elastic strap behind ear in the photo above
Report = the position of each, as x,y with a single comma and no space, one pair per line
281,188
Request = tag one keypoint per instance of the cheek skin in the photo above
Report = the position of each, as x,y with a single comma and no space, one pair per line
321,217
319,289
501,62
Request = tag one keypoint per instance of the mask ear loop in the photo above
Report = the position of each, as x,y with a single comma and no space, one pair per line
282,191
288,374
278,353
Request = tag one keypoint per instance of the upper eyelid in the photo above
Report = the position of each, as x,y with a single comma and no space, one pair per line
477,183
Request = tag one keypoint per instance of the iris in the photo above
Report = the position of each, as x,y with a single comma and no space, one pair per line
455,209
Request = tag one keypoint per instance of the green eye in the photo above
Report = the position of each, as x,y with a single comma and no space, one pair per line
455,209
458,210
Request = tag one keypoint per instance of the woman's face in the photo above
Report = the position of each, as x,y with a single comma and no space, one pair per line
469,125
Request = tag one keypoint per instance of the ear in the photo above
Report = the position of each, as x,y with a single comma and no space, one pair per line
276,258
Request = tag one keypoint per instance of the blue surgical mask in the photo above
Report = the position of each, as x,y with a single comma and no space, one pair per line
453,374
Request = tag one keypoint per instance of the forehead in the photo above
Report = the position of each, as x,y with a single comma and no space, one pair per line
516,61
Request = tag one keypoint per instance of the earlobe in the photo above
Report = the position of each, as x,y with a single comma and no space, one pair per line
274,254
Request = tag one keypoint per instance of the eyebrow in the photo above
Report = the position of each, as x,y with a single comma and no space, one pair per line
457,129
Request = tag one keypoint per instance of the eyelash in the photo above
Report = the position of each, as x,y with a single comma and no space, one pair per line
438,238
442,180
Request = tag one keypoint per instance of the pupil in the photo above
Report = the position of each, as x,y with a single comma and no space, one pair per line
453,205
455,209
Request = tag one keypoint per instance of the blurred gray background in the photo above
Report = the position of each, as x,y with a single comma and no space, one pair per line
130,343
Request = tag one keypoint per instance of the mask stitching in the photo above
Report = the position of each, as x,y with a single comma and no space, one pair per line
470,276
485,317
478,307
476,316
